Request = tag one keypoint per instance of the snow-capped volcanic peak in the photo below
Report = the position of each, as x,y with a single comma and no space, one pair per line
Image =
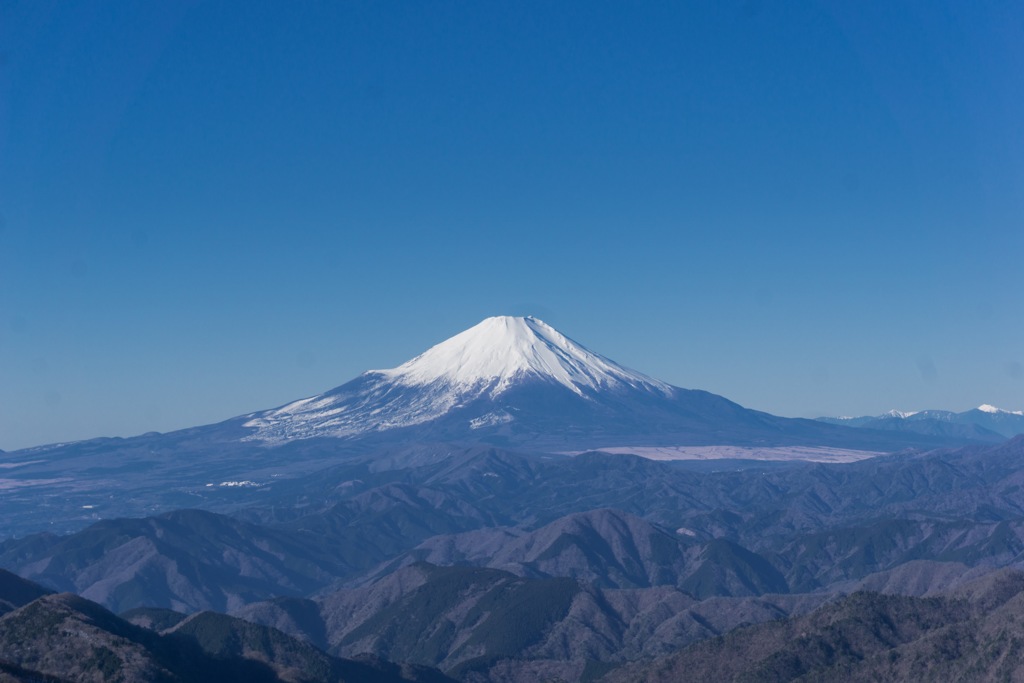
502,349
473,368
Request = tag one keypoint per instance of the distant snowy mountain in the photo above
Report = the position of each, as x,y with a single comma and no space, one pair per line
1006,422
984,423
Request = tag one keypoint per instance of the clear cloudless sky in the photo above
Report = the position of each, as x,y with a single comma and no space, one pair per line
210,208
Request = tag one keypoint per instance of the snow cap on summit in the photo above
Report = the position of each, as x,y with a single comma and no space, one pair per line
986,408
474,367
500,349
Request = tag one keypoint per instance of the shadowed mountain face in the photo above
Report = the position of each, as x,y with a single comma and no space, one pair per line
16,592
190,559
468,620
974,634
183,560
606,548
473,621
67,638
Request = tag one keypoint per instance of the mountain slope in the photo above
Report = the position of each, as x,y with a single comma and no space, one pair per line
606,548
68,638
192,560
16,592
487,624
226,637
459,619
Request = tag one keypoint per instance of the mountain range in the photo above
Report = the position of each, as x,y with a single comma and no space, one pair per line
54,638
971,633
508,506
984,423
511,382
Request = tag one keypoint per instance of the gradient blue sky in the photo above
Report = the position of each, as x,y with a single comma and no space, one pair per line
211,208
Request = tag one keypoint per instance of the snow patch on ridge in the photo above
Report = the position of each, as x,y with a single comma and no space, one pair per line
490,420
986,408
900,414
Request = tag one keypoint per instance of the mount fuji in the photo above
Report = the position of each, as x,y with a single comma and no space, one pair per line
518,381
475,375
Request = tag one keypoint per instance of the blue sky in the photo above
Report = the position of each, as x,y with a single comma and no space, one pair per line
212,208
